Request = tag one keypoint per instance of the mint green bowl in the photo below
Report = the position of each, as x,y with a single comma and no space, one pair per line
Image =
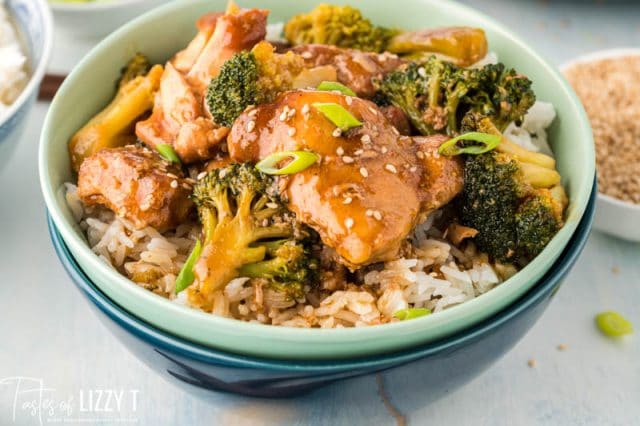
164,31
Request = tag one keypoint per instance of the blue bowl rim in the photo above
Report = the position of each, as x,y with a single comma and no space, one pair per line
210,355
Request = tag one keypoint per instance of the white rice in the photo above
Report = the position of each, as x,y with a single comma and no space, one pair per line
13,63
437,277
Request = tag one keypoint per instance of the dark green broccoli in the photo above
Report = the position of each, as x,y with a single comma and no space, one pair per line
250,78
503,199
137,66
289,268
437,95
342,26
242,214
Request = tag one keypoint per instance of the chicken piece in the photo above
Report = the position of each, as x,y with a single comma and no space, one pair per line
137,184
180,117
234,31
355,69
368,192
185,59
397,118
443,177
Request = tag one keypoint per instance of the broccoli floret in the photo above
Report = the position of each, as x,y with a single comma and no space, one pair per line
503,200
137,66
250,78
342,26
242,214
537,221
289,269
437,95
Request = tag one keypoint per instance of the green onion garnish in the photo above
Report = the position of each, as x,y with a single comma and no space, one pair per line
186,276
338,115
483,142
300,160
411,313
613,324
330,86
168,153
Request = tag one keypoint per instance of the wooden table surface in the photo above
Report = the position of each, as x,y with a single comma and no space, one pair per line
48,332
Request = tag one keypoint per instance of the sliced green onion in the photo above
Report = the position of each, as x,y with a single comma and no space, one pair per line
168,153
338,115
300,160
186,275
330,86
485,142
613,324
411,313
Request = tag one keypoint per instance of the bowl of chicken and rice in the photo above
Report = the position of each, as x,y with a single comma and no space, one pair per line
348,183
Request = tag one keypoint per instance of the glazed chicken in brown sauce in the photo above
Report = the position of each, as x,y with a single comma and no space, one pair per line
371,184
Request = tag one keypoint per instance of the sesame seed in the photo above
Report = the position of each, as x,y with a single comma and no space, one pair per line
422,72
347,160
174,184
306,55
272,205
222,173
562,347
358,152
391,168
395,131
251,125
413,169
373,110
283,116
305,108
349,100
291,112
253,112
348,223
531,363
292,131
172,176
347,200
186,186
201,175
369,213
420,155
337,133
364,172
377,215
384,150
365,138
340,151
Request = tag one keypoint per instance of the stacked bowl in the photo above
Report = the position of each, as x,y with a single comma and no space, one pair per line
254,359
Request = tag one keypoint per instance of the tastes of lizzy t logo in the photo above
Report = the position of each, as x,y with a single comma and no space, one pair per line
29,400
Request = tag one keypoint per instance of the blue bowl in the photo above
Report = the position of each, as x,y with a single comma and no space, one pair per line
438,367
35,29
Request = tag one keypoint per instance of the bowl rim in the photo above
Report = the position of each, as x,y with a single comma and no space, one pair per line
37,73
598,55
183,347
101,5
317,336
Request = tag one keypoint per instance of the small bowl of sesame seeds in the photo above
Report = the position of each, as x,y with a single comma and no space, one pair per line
607,84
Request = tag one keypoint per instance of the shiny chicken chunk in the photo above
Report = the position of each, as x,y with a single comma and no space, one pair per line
354,68
179,116
371,186
136,184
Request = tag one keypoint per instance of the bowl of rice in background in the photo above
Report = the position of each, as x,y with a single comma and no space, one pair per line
421,374
569,137
608,84
25,46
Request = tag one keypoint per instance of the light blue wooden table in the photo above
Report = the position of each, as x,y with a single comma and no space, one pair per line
48,332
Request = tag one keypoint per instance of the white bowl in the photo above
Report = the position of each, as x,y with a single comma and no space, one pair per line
32,18
613,216
96,19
